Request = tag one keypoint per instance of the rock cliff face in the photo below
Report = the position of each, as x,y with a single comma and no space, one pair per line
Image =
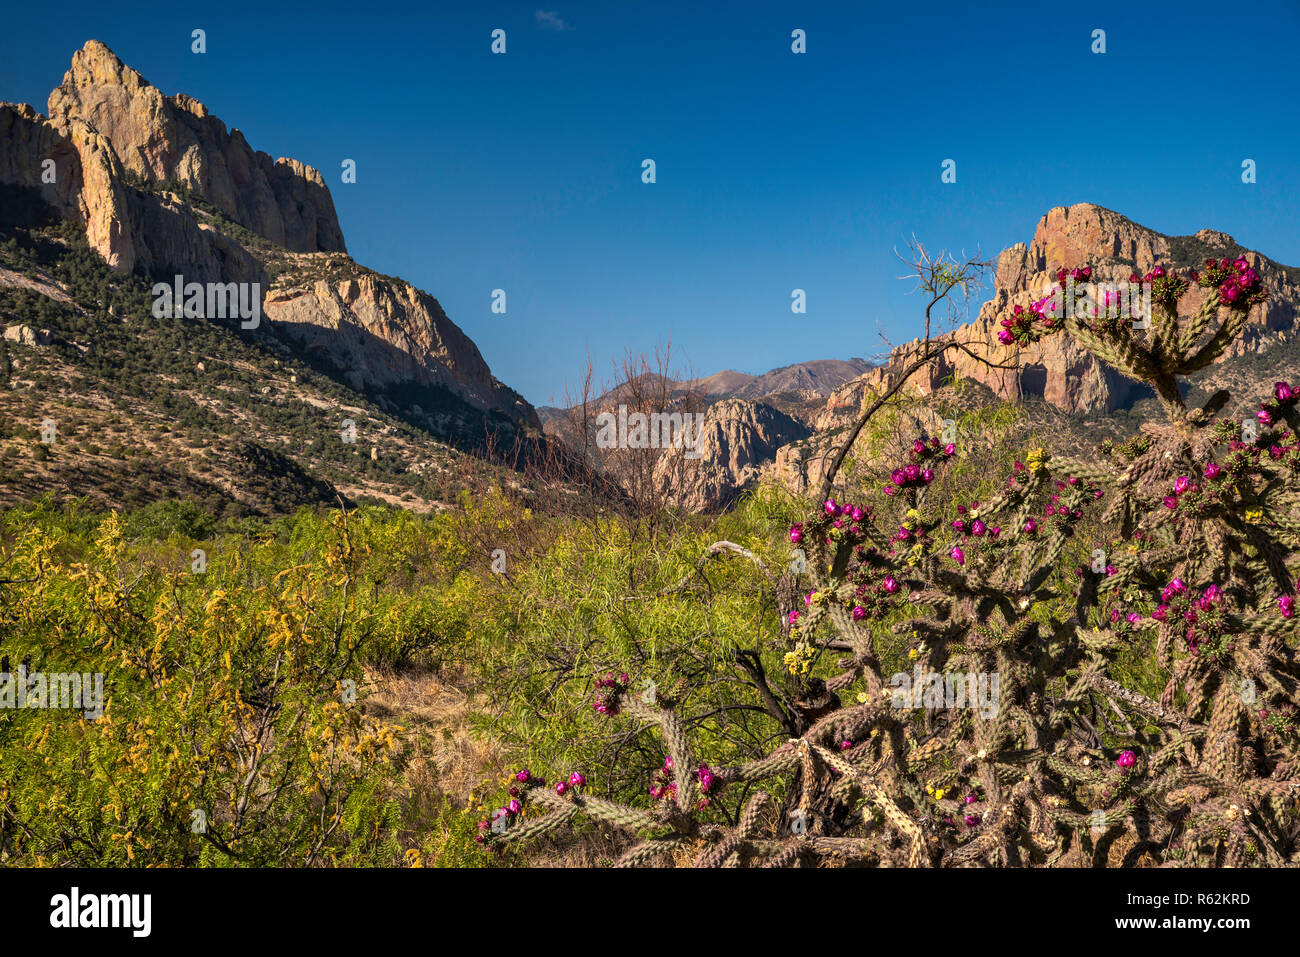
737,439
386,333
141,172
1056,369
175,138
87,178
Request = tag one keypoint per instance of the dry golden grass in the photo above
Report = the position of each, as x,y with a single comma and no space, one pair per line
446,755
447,759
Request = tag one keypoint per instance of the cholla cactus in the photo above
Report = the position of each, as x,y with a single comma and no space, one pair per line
1042,750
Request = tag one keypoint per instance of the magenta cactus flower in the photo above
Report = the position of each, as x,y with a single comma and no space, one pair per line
1126,760
1212,470
561,787
1287,605
958,555
522,776
576,779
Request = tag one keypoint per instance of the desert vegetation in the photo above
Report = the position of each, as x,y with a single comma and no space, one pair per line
1104,651
1065,661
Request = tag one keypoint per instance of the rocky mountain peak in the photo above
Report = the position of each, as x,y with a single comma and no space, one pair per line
176,139
1058,370
157,182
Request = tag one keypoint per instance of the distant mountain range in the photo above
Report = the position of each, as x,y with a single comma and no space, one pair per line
819,376
339,381
785,425
345,382
799,381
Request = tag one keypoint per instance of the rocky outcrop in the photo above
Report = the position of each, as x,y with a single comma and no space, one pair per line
386,333
139,169
1056,369
106,122
801,466
25,335
131,229
166,237
737,439
175,139
75,170
27,139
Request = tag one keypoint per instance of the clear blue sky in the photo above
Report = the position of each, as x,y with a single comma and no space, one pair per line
775,170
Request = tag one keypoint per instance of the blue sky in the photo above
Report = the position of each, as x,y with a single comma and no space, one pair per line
775,171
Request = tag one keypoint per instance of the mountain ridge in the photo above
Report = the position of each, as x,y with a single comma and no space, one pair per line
161,186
